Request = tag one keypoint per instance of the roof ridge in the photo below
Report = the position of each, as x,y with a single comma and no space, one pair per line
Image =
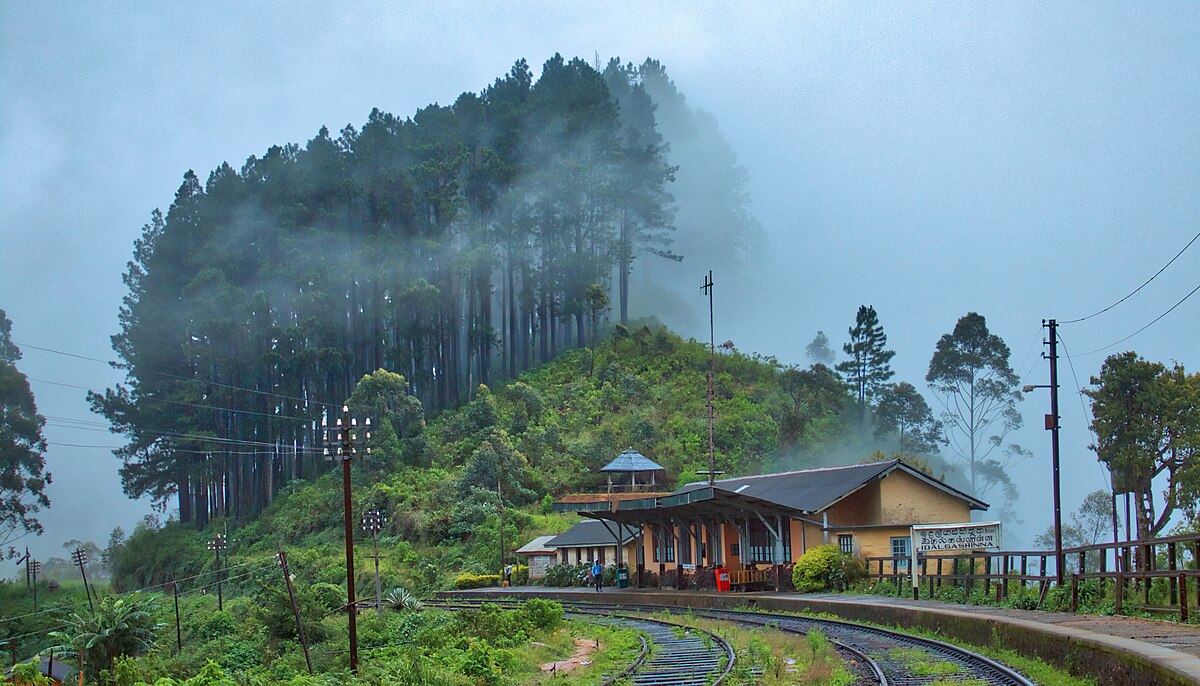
800,471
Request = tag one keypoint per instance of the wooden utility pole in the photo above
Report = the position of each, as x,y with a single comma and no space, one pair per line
372,523
178,630
80,557
712,371
287,579
344,445
35,567
217,544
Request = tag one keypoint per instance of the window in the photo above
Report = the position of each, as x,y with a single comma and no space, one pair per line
846,543
669,544
762,542
733,550
900,549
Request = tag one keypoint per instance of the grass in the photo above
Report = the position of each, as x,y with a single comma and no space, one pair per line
783,658
919,662
619,648
1038,671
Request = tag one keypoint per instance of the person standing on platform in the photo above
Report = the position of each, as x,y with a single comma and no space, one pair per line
598,575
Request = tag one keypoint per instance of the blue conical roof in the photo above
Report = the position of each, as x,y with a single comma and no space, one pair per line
632,461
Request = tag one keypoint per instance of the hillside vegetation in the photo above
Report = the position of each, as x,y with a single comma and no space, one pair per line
546,434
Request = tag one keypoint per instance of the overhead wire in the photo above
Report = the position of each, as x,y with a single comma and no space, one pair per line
1152,323
176,376
1087,415
1135,291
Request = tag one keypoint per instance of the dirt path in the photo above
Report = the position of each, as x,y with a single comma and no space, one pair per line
579,657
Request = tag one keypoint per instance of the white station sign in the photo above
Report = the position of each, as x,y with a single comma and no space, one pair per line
946,537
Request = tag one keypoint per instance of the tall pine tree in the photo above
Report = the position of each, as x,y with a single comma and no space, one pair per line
869,366
23,475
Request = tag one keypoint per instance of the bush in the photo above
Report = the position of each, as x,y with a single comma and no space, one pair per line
543,615
826,567
467,580
329,596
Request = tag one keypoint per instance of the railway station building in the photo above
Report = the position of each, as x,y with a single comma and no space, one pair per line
754,525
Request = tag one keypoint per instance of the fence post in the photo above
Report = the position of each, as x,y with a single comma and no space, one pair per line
987,575
1074,593
970,575
1119,591
1149,565
1172,566
1183,608
1024,570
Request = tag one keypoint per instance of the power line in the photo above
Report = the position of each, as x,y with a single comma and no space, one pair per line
1152,323
307,401
1083,406
269,415
1134,292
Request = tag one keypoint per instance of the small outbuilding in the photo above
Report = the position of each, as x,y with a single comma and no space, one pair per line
595,539
538,556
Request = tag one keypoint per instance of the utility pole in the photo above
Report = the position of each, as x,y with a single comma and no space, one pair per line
500,532
287,579
35,567
1052,422
25,560
707,288
372,523
178,630
217,544
344,446
80,557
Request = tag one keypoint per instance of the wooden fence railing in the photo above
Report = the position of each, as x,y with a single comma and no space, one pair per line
1132,567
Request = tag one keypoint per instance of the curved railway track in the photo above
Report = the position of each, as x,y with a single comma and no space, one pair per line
874,655
679,656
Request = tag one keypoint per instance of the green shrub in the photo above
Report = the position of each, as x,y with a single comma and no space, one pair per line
467,580
329,596
543,615
826,567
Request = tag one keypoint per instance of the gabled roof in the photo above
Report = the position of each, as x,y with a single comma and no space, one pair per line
537,547
632,461
592,532
814,490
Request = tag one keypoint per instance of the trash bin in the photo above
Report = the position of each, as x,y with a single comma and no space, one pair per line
622,577
722,580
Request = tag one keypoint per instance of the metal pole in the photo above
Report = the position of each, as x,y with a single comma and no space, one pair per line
287,579
34,565
712,371
500,533
1052,325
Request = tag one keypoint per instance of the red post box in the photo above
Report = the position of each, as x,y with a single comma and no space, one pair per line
722,579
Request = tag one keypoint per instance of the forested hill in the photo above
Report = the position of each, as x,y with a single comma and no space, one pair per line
459,246
543,435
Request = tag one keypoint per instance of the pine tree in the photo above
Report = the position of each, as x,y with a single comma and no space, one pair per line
869,366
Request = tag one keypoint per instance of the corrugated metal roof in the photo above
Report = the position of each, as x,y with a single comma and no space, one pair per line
813,490
591,532
631,461
536,546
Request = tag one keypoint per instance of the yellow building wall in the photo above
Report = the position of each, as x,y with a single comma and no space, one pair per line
905,499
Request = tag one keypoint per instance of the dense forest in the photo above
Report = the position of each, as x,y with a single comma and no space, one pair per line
458,247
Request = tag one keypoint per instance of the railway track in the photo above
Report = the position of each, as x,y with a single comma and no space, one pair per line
679,656
874,655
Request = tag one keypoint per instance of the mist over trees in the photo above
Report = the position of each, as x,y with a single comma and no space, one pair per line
457,247
23,475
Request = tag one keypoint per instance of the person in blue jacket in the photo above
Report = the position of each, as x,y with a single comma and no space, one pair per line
598,575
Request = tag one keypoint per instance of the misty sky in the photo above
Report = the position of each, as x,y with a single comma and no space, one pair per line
1021,161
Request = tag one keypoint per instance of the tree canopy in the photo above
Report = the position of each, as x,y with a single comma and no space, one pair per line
869,365
23,475
456,247
972,378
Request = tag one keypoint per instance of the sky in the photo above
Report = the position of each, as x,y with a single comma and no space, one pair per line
1020,160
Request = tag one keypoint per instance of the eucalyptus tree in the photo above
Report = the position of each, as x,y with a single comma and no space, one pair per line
971,376
903,411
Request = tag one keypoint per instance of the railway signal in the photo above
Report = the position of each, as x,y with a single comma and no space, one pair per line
341,443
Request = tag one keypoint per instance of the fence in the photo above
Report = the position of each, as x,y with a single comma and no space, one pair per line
1133,567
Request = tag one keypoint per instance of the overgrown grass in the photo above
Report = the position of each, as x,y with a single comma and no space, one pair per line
782,658
1038,671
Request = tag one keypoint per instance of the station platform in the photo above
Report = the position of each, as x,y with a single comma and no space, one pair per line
1110,650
